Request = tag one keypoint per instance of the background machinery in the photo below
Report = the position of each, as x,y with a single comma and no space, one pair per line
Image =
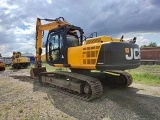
19,61
92,61
2,65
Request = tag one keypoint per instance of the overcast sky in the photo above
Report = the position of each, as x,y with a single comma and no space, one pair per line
131,18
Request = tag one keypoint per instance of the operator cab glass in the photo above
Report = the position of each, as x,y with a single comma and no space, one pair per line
72,40
54,47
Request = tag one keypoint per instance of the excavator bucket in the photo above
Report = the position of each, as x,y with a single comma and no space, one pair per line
34,72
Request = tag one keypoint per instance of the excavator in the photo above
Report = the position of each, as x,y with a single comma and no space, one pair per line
2,65
92,61
19,61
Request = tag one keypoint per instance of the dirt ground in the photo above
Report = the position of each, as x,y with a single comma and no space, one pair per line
22,98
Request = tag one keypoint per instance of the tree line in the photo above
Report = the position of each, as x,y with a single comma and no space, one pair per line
152,44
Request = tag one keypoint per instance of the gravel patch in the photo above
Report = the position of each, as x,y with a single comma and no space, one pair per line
23,98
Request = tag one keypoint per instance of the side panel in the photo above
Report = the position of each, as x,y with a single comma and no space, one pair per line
104,56
84,57
118,56
75,56
21,60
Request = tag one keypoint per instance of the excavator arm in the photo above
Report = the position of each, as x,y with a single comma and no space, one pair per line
52,24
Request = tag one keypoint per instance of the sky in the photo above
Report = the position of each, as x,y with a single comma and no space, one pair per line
131,18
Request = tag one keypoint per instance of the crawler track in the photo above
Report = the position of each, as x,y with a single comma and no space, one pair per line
94,80
95,84
126,76
113,78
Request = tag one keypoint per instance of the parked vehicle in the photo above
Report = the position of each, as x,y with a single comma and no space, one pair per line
2,65
19,61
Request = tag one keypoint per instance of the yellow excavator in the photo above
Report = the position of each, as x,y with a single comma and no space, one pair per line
92,60
19,61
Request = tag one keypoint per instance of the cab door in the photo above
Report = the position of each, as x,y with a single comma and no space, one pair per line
54,48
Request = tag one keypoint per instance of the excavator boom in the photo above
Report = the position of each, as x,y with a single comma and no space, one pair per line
52,23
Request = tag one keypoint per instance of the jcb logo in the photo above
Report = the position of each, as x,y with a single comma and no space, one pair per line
132,53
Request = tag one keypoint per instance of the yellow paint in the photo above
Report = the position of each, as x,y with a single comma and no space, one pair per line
101,39
84,57
43,57
18,58
75,55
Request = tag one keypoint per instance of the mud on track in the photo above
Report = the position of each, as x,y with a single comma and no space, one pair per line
23,98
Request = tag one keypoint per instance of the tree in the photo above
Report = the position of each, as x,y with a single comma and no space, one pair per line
0,55
152,44
143,46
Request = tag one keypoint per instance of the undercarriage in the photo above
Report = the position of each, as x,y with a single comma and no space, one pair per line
85,86
20,65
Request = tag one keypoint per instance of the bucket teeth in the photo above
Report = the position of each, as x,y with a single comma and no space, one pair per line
34,72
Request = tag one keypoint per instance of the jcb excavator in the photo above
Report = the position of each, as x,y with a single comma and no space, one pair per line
19,61
92,61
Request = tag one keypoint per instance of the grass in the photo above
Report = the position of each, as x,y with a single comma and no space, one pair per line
147,78
146,74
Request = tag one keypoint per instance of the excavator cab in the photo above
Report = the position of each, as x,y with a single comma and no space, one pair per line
59,40
57,44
